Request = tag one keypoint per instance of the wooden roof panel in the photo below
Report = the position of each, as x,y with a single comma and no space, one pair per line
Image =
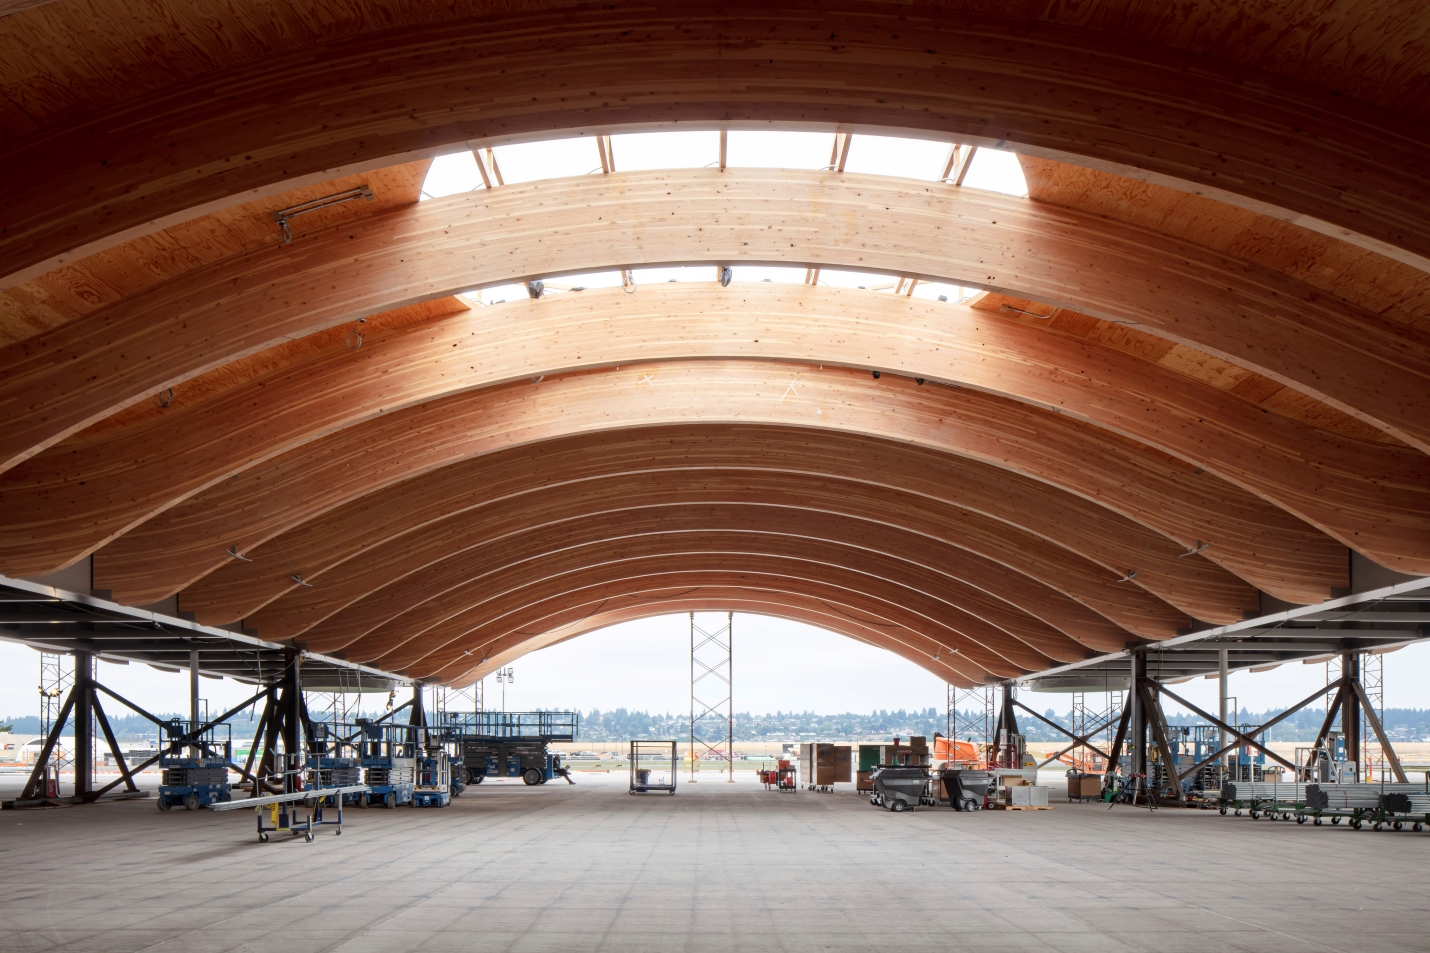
1386,287
78,288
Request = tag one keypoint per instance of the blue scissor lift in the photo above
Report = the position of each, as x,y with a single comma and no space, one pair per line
195,766
389,762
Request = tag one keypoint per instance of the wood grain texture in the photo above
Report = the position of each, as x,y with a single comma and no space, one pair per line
576,621
329,98
79,287
404,528
1376,370
637,601
62,505
551,552
190,538
518,598
991,574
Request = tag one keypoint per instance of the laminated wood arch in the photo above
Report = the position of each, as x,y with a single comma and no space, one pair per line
579,620
1374,496
1372,368
816,557
704,562
225,105
1011,591
643,600
413,524
320,478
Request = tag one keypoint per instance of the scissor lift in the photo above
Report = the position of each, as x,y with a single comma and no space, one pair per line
195,766
389,762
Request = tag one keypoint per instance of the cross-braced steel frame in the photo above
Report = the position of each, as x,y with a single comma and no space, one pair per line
972,713
712,715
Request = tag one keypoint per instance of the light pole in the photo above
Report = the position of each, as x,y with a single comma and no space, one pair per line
504,676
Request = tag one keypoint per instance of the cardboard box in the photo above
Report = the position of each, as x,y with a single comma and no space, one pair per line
1087,785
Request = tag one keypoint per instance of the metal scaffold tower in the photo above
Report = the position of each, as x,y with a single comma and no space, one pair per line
712,714
1372,673
971,715
1094,716
56,680
457,700
335,705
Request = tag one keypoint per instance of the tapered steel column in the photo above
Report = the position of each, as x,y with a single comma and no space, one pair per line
1138,740
1350,710
83,720
1223,668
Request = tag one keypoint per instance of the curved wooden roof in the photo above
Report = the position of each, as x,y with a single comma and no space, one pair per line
1201,372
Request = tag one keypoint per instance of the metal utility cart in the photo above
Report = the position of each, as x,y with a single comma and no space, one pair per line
195,767
495,744
389,761
898,788
783,777
282,809
968,789
653,767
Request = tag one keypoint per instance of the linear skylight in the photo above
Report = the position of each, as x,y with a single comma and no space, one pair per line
996,170
750,274
889,155
642,151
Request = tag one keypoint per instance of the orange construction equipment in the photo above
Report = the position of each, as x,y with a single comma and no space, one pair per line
961,752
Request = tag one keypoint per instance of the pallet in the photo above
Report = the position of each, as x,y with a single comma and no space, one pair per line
1019,807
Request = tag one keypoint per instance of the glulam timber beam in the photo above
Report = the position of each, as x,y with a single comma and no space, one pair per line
638,602
407,527
937,599
1030,594
692,563
339,471
1112,99
58,382
62,505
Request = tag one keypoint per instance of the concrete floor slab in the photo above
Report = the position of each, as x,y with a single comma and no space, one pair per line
716,867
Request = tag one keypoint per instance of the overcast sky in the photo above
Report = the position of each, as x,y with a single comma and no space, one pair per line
779,666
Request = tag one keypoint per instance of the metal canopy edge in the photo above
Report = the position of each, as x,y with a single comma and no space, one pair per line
144,642
1272,638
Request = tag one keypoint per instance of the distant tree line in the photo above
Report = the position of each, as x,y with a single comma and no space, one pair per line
621,724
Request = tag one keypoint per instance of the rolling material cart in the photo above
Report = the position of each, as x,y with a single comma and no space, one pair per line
653,765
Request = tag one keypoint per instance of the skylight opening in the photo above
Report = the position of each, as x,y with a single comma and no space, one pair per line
748,274
890,155
451,174
996,170
548,159
778,150
644,151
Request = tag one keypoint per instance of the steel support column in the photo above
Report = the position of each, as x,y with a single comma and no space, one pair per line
292,704
1224,692
1350,709
1137,742
83,718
